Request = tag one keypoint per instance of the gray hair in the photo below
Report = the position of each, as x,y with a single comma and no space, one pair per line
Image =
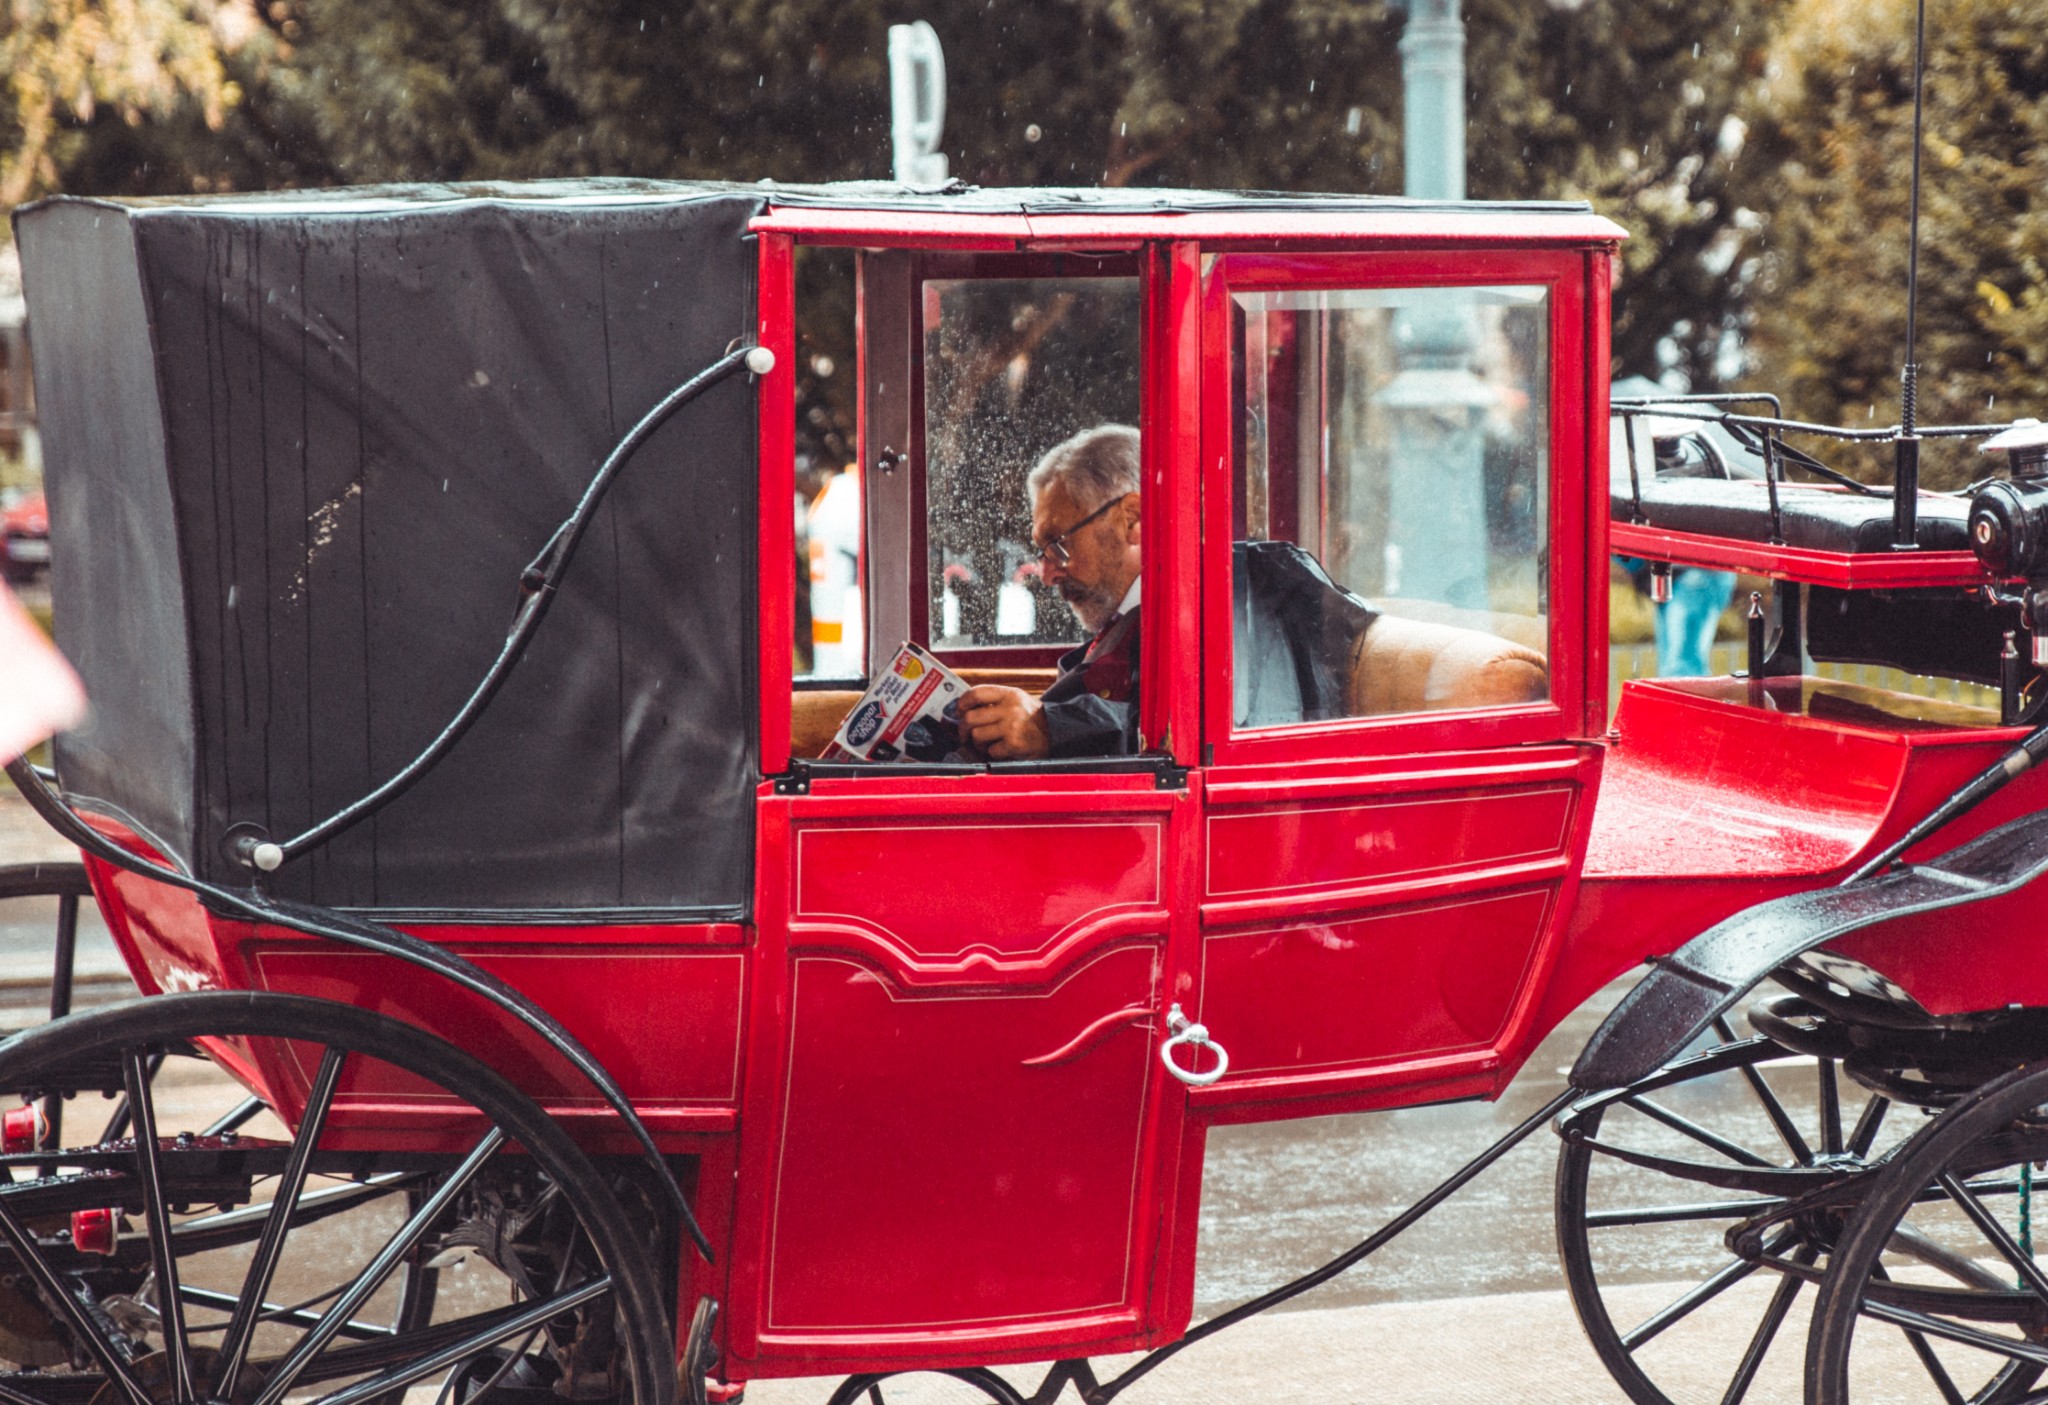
1097,465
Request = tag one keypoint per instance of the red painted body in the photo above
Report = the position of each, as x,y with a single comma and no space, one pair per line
922,1084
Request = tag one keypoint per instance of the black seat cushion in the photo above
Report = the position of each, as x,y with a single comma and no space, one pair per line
1815,519
1295,632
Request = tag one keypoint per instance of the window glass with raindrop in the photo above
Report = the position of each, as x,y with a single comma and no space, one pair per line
1012,367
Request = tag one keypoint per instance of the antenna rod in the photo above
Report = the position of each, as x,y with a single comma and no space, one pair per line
1906,475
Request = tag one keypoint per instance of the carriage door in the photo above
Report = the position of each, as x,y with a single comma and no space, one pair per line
955,1125
1394,609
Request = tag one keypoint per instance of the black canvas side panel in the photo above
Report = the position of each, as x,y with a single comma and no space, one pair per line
115,582
375,420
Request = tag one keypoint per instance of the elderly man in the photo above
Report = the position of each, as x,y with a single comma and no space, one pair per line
1084,521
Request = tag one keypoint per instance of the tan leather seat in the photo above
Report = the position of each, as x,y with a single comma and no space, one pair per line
1403,665
814,719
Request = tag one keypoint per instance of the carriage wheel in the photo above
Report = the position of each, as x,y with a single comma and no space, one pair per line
214,1255
957,1387
1962,1182
1684,1176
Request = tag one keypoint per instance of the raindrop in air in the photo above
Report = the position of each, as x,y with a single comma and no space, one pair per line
1032,133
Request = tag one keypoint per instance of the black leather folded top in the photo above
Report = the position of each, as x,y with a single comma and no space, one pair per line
1814,519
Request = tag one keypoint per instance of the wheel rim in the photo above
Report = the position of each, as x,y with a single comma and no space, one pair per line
1951,1192
336,1264
1652,1179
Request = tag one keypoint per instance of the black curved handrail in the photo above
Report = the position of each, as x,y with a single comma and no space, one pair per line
538,582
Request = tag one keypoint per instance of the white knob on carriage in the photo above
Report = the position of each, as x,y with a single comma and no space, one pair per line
760,360
267,857
1195,1036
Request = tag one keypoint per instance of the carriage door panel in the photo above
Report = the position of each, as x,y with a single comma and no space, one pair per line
973,986
1395,669
1376,934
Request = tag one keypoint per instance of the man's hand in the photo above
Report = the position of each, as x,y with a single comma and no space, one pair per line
1005,724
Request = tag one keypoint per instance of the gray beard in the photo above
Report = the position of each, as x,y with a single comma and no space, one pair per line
1092,607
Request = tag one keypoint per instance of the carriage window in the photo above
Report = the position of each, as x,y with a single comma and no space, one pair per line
1012,367
1390,509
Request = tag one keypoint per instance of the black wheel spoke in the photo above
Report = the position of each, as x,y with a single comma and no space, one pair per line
1955,1332
1780,1119
1767,1330
234,1347
1691,1302
1915,1245
2030,1273
1675,1214
1788,1131
156,1216
279,1381
61,1296
1865,1135
1830,1107
299,1314
1936,1372
240,1116
230,1227
1929,1362
469,1346
123,1115
1687,1127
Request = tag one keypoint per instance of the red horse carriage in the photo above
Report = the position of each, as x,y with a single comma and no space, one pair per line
586,1026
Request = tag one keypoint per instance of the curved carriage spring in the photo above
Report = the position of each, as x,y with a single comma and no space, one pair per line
539,581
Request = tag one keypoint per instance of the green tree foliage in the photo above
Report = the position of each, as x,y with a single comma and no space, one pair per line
1636,107
1627,103
1837,133
92,86
1623,102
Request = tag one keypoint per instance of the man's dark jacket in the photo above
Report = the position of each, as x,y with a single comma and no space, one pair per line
1091,709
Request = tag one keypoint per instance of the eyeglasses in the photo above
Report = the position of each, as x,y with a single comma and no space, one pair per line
1055,551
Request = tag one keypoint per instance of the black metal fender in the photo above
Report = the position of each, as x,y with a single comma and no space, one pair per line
1686,990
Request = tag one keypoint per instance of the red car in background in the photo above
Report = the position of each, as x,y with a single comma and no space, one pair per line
25,539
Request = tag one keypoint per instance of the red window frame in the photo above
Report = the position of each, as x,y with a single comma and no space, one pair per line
1168,418
1566,274
935,265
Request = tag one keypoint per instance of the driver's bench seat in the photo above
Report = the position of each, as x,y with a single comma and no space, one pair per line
1309,650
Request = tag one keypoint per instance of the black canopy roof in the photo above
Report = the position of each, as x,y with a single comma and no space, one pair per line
299,447
955,197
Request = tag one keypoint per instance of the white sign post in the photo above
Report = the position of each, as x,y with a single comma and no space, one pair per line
917,103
